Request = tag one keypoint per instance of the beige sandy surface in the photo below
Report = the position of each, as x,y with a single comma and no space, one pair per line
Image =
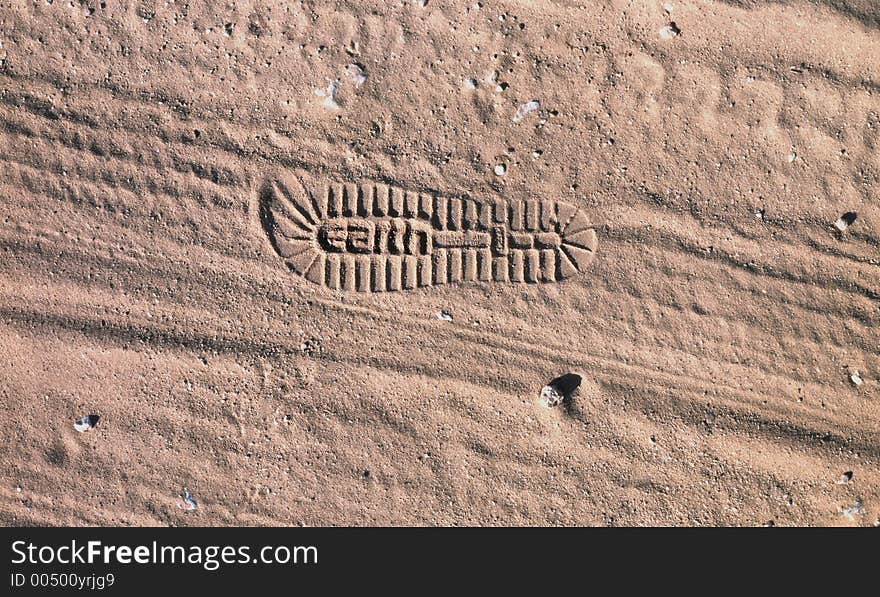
716,329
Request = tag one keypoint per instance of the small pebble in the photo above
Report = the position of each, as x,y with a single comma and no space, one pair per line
551,396
669,31
311,346
526,109
85,423
500,170
189,502
792,157
845,478
444,315
845,221
856,378
470,83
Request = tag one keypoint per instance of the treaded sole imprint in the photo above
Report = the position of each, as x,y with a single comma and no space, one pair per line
370,237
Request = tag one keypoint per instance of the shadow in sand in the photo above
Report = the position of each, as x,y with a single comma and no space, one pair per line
567,384
87,422
267,220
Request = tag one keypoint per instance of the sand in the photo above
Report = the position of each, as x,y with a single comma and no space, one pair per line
725,331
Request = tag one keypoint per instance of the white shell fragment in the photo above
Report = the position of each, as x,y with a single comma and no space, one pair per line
669,31
851,511
500,170
551,396
85,423
560,389
845,221
329,95
444,315
525,109
188,502
356,74
845,478
856,377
